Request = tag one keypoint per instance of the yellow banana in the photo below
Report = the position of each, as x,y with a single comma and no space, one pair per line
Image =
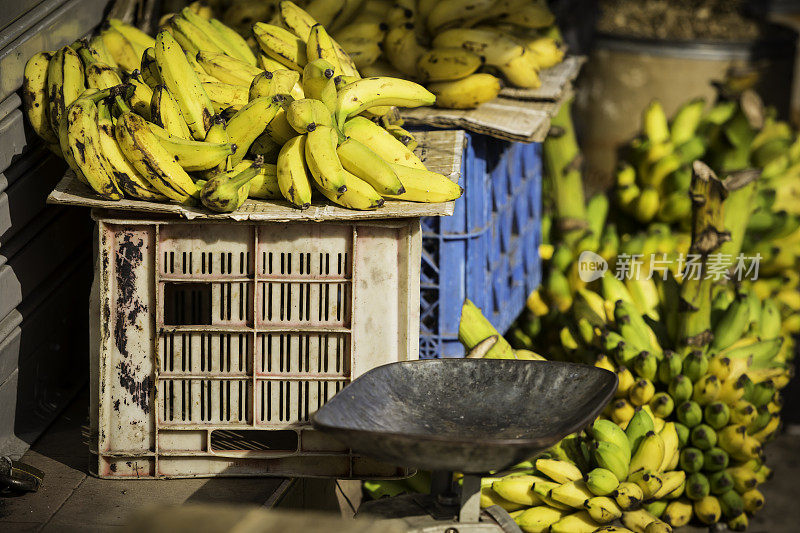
424,185
228,69
164,112
248,123
64,82
321,46
447,64
466,93
370,92
192,155
183,84
357,193
306,114
34,95
293,175
323,161
121,49
281,45
358,159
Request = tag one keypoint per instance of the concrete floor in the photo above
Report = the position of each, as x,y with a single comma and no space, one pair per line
72,501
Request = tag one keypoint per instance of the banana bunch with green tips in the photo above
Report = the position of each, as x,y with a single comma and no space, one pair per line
189,113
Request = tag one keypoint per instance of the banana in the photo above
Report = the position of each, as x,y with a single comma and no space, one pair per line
97,44
306,114
358,159
381,142
538,519
752,500
281,45
518,489
149,68
296,19
147,155
639,520
648,480
559,471
671,483
318,82
225,95
226,192
649,454
273,83
190,37
323,161
601,482
121,49
265,184
607,431
580,522
424,185
227,69
628,495
370,92
731,504
669,434
690,414
248,123
466,93
612,457
35,96
164,112
183,84
357,193
130,181
86,148
236,44
65,82
210,32
279,129
402,49
639,426
602,509
707,510
138,39
293,173
363,52
622,412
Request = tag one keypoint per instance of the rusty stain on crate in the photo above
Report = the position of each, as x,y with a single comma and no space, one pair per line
128,307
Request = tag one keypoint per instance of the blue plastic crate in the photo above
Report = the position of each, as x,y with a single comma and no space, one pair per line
488,250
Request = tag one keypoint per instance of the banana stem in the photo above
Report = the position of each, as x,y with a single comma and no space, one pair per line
247,174
708,195
562,163
474,328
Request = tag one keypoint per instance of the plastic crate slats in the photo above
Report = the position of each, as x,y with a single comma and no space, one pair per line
488,250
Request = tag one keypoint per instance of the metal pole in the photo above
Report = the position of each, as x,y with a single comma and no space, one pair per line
470,499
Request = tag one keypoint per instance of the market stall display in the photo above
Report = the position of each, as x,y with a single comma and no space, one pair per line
194,103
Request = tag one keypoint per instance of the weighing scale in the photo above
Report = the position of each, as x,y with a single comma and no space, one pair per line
461,415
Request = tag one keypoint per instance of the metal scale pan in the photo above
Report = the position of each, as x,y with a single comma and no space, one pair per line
466,415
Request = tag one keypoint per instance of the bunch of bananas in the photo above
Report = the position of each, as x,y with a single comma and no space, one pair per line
459,49
736,134
196,114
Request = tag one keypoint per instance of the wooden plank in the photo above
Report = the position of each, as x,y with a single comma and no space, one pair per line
555,81
441,151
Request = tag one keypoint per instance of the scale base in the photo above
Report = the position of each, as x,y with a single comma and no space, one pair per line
424,513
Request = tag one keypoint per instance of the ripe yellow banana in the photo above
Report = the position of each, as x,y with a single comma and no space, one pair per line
401,48
381,142
424,185
130,181
210,32
466,93
265,184
273,83
236,44
538,518
183,84
279,129
64,82
448,13
360,160
248,123
572,493
228,69
191,39
321,46
371,92
86,150
225,95
324,163
318,82
293,174
447,64
518,489
141,96
357,194
149,68
363,52
580,522
121,49
281,45
164,112
602,509
558,471
147,155
192,155
139,40
97,44
296,19
306,114
34,95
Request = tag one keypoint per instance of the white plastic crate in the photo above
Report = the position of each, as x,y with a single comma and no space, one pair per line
217,341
